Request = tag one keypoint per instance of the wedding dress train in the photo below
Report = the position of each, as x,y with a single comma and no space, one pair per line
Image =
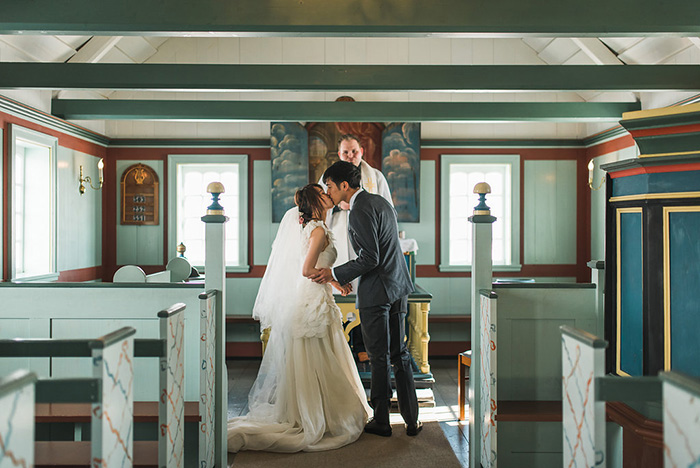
307,395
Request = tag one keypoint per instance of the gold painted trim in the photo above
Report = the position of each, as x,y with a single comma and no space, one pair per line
661,111
618,298
654,196
667,275
678,153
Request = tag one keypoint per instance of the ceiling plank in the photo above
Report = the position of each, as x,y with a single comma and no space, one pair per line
340,111
466,78
597,51
94,49
351,17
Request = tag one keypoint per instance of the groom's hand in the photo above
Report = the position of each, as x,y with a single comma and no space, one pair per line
323,276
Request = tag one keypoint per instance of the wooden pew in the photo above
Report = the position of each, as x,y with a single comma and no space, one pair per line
586,392
17,418
520,375
110,391
170,412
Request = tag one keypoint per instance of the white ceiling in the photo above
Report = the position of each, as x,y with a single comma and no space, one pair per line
530,50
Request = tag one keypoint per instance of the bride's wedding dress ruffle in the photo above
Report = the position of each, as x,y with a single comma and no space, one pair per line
308,395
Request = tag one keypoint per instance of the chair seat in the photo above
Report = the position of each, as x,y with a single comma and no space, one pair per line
464,362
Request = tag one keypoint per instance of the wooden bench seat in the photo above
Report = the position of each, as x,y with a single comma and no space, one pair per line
144,411
522,411
61,453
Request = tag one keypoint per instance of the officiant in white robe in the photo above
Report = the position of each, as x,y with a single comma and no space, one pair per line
373,181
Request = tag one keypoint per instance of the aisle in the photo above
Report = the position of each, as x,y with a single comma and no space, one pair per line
242,374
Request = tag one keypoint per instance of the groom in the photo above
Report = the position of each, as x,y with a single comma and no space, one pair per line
382,294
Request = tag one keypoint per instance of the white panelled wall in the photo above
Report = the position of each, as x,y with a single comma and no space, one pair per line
79,216
550,212
598,199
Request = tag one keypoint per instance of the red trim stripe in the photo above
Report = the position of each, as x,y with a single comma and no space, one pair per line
666,130
529,271
253,349
656,170
81,274
625,141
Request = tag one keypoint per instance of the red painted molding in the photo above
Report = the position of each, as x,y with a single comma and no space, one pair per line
448,348
656,170
534,271
676,130
625,141
67,141
243,349
81,274
248,349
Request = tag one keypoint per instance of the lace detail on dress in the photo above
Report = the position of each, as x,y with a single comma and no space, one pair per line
317,310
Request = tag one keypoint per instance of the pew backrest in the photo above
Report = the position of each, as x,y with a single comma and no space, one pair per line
171,406
207,382
489,388
681,399
583,416
112,428
17,419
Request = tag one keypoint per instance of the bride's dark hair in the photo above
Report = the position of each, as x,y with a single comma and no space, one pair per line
308,199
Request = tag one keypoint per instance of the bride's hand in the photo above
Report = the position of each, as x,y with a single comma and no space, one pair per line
344,290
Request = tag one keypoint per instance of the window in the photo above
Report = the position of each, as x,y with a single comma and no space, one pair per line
459,175
188,177
33,205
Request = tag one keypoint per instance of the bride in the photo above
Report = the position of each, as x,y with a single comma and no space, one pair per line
307,395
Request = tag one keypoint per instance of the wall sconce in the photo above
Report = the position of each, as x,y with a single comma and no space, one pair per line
591,166
82,180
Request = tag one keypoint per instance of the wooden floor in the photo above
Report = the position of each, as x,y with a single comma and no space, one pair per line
242,372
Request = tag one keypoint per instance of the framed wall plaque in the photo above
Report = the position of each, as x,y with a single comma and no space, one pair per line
139,187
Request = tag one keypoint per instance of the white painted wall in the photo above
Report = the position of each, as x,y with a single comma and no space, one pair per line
550,212
79,216
598,200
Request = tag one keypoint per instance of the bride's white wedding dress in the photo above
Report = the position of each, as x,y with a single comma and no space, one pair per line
308,395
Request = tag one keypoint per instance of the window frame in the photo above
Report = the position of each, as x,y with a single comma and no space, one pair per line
446,161
16,133
174,160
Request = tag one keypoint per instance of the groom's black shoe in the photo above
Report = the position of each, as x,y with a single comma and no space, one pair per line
373,427
413,430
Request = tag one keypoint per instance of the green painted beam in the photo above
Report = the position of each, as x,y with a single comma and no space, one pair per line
83,109
614,388
474,78
351,17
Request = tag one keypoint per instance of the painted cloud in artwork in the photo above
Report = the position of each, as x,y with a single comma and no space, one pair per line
401,167
289,156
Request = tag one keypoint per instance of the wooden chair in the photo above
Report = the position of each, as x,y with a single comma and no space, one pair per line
464,362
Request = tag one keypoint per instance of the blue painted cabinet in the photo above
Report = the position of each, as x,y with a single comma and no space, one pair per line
653,265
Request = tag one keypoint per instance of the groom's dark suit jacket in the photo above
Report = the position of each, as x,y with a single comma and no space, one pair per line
380,263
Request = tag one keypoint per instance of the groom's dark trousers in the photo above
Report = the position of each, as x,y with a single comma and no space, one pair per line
382,329
381,299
